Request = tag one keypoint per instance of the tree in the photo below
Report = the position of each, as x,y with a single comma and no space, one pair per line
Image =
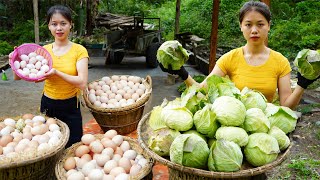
36,21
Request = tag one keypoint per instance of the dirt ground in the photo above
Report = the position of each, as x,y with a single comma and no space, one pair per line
19,97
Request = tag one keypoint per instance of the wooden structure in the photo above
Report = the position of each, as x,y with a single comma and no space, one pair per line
112,21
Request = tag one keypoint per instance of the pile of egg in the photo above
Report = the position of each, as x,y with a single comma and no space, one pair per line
32,65
108,158
28,134
116,91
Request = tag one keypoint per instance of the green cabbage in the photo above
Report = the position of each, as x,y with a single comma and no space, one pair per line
172,53
192,131
155,121
308,63
177,117
193,98
220,86
225,156
234,134
253,99
189,150
256,121
281,137
160,141
261,149
205,121
229,110
282,117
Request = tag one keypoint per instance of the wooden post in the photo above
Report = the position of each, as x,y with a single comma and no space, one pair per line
36,22
89,19
177,20
214,35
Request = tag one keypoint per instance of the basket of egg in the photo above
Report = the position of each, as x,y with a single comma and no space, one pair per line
104,156
30,146
117,102
30,62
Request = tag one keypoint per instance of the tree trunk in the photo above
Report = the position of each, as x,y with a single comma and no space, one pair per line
214,35
89,18
177,20
36,21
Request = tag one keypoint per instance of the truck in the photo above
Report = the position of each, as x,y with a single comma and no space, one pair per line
131,35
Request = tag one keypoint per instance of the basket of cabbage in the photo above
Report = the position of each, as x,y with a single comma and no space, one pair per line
217,132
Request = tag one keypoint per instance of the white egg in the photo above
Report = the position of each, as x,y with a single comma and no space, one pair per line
105,78
32,54
9,122
23,64
44,62
32,75
45,68
26,71
38,65
16,64
38,118
115,78
54,127
76,176
40,74
30,66
97,103
32,60
24,57
39,57
92,98
34,71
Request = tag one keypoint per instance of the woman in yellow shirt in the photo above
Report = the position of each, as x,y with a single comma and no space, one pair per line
254,65
68,76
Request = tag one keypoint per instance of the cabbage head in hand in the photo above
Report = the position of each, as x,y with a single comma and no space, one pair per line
172,53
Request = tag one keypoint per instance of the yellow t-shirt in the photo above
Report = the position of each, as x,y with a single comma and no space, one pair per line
263,78
55,87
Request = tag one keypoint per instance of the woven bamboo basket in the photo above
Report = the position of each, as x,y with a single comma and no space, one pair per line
177,171
125,119
28,166
145,173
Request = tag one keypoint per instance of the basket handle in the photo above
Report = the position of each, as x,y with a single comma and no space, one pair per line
149,80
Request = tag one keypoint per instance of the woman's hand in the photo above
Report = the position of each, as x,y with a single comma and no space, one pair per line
15,76
182,72
304,82
52,72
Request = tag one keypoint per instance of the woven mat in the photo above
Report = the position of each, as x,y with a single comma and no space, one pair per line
159,171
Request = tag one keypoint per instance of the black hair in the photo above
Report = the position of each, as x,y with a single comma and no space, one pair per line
260,7
63,10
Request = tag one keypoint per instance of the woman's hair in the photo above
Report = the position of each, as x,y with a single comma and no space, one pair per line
63,10
260,7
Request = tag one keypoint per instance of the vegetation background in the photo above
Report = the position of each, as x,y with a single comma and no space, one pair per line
295,26
295,23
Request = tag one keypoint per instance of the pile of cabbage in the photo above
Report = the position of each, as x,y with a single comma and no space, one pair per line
218,127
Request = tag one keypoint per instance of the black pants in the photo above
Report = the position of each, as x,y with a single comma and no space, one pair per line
66,111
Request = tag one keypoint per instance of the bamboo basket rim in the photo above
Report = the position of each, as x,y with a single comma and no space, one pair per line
145,97
206,173
22,160
60,171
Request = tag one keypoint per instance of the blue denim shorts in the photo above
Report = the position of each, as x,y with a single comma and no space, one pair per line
68,111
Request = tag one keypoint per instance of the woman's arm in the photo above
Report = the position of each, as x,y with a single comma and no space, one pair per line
287,97
79,81
216,71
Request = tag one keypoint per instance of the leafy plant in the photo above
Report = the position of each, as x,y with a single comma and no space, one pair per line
306,168
197,78
5,48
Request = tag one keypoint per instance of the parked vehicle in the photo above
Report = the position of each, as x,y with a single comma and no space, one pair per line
131,35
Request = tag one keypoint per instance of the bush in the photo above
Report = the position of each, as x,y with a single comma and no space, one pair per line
5,48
